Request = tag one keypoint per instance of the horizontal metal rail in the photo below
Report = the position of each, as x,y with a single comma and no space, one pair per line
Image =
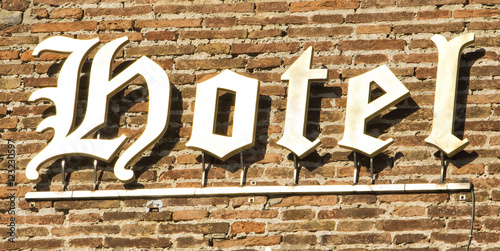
249,190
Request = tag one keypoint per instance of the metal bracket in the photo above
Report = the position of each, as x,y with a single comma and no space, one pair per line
372,180
243,171
204,170
95,167
356,168
63,167
296,170
443,167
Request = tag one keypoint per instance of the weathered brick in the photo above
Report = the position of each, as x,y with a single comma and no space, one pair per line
264,48
323,5
247,227
178,23
213,34
69,13
116,25
143,242
356,213
429,28
159,50
369,45
161,35
185,215
271,7
341,239
65,26
200,228
123,11
210,64
407,225
249,242
273,20
295,239
319,31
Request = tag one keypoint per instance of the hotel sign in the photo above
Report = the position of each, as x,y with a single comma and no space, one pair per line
82,141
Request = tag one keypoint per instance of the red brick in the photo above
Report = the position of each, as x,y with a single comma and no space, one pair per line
182,64
433,14
198,228
265,33
429,28
161,35
115,25
409,225
369,45
264,48
9,54
249,242
428,2
374,29
323,5
17,40
15,69
143,242
191,242
185,215
322,19
70,13
244,214
178,23
354,225
220,22
248,227
273,20
272,7
65,26
476,13
108,37
298,214
295,239
319,31
341,239
61,2
208,8
377,17
159,50
371,59
87,242
213,34
122,11
356,213
30,243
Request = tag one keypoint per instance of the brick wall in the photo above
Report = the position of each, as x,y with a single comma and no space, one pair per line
192,41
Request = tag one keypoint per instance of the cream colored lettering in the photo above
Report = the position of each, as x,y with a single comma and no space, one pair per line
441,135
245,114
360,110
101,88
299,76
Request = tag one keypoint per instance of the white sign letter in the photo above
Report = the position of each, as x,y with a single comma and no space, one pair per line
299,76
245,112
79,141
446,92
360,110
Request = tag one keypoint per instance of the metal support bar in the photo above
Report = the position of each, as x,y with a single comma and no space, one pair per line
95,167
443,167
250,190
243,171
296,170
371,171
63,166
204,170
356,168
